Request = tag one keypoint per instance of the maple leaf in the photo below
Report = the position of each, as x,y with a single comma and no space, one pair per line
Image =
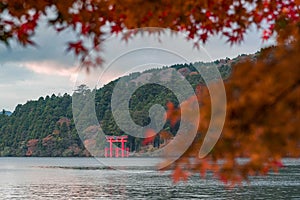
179,174
9,22
99,60
116,29
224,179
59,29
26,27
266,35
149,137
77,47
172,114
204,37
76,19
85,29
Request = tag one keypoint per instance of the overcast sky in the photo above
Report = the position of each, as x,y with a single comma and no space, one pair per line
28,73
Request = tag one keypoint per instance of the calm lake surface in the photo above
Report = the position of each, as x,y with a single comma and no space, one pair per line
86,178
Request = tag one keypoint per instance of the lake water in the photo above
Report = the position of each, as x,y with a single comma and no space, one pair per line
86,178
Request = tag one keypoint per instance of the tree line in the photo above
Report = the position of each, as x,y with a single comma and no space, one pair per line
45,127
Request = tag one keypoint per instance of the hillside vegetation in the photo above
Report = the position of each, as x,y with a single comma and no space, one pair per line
45,127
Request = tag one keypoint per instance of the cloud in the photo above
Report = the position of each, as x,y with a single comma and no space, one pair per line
51,68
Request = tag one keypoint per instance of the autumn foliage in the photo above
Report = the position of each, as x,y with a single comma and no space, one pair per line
262,122
263,93
93,19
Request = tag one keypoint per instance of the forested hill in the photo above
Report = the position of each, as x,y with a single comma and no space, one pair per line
45,127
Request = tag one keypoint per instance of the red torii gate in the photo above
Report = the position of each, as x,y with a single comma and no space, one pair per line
111,140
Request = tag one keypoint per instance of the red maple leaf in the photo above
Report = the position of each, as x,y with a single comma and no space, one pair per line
75,19
204,37
172,114
116,29
266,35
77,47
179,174
149,136
85,29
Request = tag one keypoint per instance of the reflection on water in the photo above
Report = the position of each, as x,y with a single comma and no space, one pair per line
83,178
